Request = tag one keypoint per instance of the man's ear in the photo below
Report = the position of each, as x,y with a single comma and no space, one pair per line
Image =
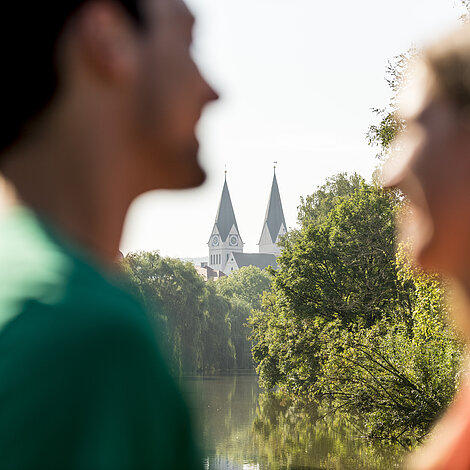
107,40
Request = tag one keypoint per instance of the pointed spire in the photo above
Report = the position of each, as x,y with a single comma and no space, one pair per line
225,218
274,214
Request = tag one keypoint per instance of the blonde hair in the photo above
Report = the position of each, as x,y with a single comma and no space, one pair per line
449,62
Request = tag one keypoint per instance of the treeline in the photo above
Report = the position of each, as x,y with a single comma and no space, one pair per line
349,325
201,324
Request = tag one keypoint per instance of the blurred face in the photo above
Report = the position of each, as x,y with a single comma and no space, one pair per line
433,171
170,95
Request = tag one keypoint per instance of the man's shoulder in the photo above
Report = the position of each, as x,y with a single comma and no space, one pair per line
32,265
62,315
48,289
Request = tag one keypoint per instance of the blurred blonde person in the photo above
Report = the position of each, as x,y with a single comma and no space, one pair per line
433,171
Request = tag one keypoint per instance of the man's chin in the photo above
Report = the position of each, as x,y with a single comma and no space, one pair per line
188,176
189,179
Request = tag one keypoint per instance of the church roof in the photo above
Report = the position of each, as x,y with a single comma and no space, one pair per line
260,260
274,213
225,218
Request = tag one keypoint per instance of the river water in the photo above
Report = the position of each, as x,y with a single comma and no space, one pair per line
241,428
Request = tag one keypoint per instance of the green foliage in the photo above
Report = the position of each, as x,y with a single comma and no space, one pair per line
383,133
351,326
190,317
243,289
201,323
314,209
390,123
246,285
343,268
286,347
388,381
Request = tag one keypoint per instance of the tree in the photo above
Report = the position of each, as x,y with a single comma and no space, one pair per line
341,270
201,323
344,268
394,378
314,209
351,326
383,134
189,315
243,289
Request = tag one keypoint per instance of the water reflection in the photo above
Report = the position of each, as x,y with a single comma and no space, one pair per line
243,429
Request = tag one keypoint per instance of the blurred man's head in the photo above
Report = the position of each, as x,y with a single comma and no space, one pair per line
121,66
434,169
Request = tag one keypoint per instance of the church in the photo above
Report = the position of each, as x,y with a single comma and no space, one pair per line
226,244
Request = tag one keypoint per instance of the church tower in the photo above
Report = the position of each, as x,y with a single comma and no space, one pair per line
225,237
274,222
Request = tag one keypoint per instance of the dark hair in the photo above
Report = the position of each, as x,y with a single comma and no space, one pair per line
28,79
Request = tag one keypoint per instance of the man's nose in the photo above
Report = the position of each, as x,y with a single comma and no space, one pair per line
208,92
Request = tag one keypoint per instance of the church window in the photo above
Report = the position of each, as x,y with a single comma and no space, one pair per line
228,254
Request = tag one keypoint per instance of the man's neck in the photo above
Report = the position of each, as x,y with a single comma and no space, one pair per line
75,186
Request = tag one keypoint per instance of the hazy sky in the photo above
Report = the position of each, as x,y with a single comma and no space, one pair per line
297,81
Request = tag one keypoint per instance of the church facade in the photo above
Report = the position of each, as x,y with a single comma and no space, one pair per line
226,245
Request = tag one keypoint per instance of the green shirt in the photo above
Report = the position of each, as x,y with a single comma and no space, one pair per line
82,382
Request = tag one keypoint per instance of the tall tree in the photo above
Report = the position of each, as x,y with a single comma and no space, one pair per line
351,327
190,316
315,208
243,289
344,268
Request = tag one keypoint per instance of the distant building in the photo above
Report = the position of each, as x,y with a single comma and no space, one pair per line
225,237
208,273
261,260
274,225
226,245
